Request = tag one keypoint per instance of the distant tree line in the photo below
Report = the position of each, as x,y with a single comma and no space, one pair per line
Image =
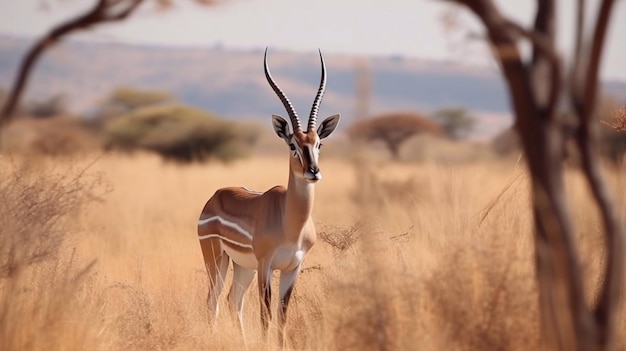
130,120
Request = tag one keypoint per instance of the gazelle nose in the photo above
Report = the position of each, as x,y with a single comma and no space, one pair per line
313,174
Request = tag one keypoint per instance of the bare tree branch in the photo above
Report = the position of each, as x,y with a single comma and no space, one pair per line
99,13
596,50
538,39
126,11
546,62
545,71
578,39
584,96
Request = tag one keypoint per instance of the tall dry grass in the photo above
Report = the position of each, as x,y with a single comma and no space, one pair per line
409,257
40,278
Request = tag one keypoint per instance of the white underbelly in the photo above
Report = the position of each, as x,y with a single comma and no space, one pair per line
287,258
247,260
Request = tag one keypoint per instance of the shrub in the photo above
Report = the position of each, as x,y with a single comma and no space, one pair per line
52,106
130,98
612,115
178,133
59,136
456,121
36,211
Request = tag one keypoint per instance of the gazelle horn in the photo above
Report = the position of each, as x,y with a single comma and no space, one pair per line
295,121
318,98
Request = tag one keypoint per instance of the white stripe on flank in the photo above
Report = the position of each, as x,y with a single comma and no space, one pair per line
225,239
224,222
252,191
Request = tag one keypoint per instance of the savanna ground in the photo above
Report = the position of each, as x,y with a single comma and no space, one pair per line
410,256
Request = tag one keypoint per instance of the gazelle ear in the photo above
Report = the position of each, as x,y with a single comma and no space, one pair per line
328,126
281,127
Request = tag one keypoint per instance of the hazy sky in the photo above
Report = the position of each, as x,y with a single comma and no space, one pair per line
397,27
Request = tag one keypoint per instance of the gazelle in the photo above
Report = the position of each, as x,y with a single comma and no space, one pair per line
267,231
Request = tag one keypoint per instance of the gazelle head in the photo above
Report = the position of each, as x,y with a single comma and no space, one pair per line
304,145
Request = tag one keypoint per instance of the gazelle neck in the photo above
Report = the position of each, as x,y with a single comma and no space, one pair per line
298,204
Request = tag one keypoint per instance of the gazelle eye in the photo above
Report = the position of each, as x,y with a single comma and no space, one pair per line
319,146
292,147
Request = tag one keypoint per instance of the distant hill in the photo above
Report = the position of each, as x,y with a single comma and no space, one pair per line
231,83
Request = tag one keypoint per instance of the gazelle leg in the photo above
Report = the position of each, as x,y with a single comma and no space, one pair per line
287,281
218,284
216,263
265,293
241,281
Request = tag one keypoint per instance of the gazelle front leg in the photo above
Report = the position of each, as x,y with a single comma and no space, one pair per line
287,281
265,292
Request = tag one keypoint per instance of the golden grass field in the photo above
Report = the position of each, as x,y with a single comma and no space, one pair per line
410,256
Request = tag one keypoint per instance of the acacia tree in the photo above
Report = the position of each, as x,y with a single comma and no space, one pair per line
538,86
393,129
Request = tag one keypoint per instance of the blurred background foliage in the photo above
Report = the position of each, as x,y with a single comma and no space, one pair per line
130,120
393,129
179,133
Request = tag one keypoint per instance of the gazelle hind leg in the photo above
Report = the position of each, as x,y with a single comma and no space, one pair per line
216,262
216,284
241,281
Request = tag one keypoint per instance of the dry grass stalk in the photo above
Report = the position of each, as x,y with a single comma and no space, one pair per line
619,120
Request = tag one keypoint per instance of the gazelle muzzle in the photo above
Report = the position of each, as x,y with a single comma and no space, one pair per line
313,174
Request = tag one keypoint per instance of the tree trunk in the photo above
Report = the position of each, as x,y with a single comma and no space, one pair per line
536,87
394,149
